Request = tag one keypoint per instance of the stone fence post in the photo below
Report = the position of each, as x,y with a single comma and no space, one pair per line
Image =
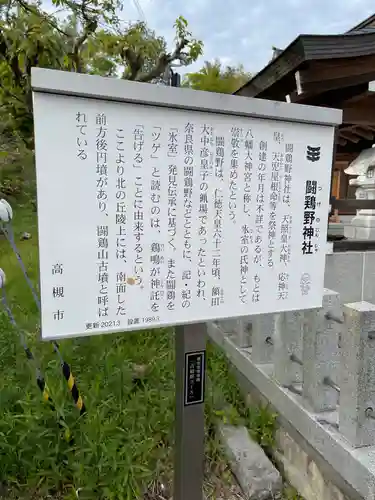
238,329
357,375
321,353
263,335
288,347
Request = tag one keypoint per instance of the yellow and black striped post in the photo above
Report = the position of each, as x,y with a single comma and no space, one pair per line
78,401
41,383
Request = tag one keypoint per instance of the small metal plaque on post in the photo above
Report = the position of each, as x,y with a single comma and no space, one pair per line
190,383
194,377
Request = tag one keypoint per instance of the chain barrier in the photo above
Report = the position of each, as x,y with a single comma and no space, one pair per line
39,377
6,216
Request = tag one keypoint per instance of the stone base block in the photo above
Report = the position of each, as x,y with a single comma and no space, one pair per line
258,478
359,232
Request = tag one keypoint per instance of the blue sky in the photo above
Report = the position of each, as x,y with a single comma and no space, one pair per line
244,31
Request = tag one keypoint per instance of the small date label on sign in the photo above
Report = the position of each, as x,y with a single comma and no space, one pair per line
194,377
103,324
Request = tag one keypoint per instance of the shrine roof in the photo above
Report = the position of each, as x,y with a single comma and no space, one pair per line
305,49
335,71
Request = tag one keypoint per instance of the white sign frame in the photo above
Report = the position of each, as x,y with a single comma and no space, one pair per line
96,88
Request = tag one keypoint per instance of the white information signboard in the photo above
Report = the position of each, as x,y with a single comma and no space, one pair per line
152,216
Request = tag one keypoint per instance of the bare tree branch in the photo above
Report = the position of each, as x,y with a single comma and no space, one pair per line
88,30
10,94
133,62
43,17
12,60
34,59
90,26
3,46
162,62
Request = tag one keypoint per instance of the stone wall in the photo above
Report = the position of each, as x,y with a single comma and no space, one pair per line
305,469
317,370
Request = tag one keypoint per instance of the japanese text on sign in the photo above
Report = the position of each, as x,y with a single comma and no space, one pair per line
175,216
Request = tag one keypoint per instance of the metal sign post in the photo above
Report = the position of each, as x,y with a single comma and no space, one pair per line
190,345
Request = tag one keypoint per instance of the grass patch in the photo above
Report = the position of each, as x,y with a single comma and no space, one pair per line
290,493
260,421
228,405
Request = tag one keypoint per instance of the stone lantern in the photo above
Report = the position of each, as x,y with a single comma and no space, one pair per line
362,226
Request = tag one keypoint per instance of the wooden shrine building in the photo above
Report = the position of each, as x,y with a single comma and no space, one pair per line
336,71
